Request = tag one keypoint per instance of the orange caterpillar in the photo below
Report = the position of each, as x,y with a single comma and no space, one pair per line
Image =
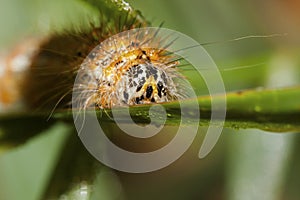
128,69
117,72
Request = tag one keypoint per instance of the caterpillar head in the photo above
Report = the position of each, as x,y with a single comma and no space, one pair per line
146,83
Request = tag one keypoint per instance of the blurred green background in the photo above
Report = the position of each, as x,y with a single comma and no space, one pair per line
245,164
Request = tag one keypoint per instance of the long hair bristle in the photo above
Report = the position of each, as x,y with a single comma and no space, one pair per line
50,78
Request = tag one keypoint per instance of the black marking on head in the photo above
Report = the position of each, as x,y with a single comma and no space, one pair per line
139,71
164,91
137,100
147,74
164,78
149,91
152,70
125,94
152,100
159,88
139,88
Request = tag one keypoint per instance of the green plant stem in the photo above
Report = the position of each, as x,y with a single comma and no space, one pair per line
275,110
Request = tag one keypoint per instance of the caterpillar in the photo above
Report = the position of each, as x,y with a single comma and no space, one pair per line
124,70
130,68
118,71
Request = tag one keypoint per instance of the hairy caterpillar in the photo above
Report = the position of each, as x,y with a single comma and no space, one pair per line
130,68
53,64
55,61
118,72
